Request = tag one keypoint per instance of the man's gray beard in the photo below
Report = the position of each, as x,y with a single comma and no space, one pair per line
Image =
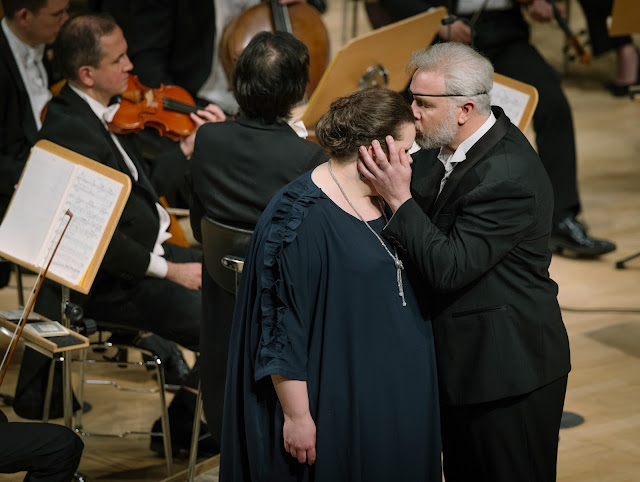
442,135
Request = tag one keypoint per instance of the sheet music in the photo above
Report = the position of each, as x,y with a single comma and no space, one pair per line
42,215
91,198
51,184
512,101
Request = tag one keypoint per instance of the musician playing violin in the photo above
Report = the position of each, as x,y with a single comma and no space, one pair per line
143,282
499,30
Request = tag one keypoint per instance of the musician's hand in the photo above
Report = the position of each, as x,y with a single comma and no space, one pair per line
541,10
390,177
211,113
458,31
188,275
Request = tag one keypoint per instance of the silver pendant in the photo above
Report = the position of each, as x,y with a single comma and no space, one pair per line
399,264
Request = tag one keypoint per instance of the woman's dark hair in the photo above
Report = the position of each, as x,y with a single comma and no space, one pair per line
271,75
358,119
78,42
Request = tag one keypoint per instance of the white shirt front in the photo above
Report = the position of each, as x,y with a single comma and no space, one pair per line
32,71
469,7
157,264
452,159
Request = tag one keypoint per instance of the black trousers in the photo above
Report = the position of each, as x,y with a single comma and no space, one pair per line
514,439
504,37
596,12
157,305
49,453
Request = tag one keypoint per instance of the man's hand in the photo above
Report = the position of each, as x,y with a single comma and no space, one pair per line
458,31
390,177
188,275
211,113
540,11
300,438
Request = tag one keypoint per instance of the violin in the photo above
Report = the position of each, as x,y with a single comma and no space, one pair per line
300,19
165,108
572,39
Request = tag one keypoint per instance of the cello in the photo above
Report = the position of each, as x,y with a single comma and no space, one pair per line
300,19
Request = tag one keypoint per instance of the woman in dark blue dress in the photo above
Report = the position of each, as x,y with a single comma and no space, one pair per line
331,374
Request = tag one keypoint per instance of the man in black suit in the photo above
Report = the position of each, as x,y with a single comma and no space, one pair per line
25,75
47,452
143,282
475,217
237,167
502,34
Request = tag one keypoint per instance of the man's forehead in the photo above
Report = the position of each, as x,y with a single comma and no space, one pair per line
423,80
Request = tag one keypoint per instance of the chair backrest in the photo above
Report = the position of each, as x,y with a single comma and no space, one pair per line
223,247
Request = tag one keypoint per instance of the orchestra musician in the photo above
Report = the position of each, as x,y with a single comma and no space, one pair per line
25,75
143,283
161,37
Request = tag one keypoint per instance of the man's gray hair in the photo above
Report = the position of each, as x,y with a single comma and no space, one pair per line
465,72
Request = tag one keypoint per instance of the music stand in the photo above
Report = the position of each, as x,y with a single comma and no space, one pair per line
378,58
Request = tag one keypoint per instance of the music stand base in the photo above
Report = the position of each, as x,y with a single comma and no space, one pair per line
620,263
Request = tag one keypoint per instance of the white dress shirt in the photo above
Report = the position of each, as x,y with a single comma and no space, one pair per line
157,264
452,159
32,71
469,7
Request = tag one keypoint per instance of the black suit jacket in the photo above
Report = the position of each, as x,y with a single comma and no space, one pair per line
18,131
71,123
238,166
170,41
483,247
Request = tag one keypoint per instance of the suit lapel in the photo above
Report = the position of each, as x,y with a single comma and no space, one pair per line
98,126
428,171
477,152
28,122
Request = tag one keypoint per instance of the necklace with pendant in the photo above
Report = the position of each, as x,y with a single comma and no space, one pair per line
394,256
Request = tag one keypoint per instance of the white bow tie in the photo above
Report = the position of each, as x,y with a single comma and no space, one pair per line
110,112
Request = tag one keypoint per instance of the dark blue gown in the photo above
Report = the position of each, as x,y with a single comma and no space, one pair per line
318,301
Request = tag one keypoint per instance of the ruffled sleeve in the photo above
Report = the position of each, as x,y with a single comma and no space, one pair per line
284,282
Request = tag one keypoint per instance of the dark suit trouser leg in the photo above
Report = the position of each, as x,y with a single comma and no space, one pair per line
552,121
157,305
514,439
49,453
596,12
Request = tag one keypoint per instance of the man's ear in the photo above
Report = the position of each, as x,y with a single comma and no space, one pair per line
85,76
23,17
466,110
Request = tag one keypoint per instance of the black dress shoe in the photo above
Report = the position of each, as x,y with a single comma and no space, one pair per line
181,440
570,235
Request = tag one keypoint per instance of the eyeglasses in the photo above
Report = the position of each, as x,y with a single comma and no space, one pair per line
412,94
